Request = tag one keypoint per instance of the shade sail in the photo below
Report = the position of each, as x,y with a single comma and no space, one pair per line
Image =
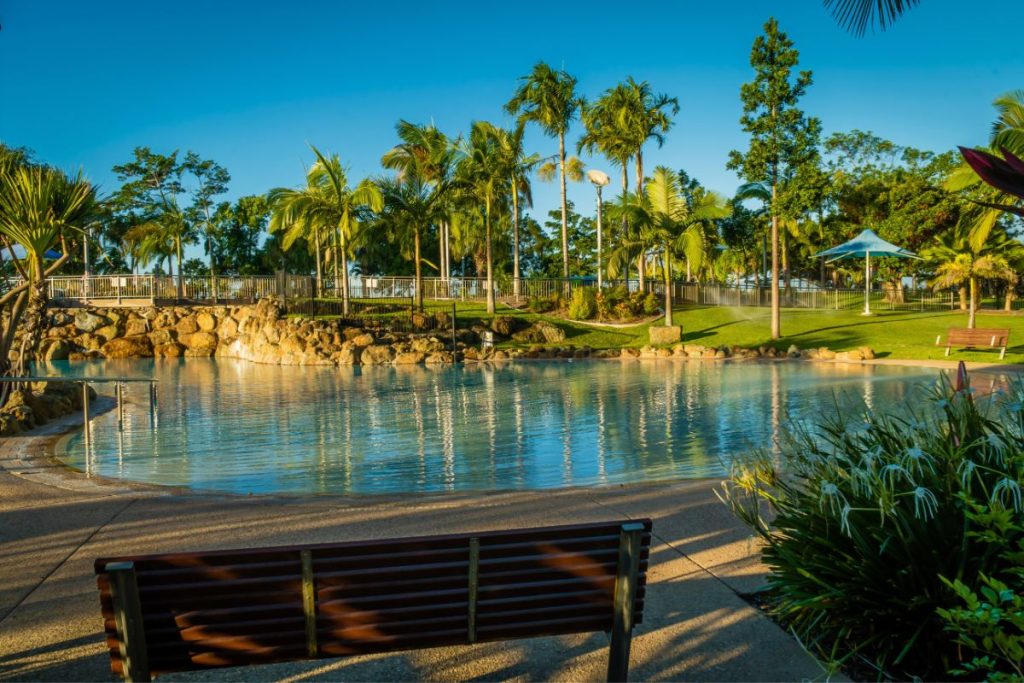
19,253
867,243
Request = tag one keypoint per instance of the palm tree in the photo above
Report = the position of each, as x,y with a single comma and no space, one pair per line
427,152
39,208
668,220
327,205
957,262
484,178
548,98
410,206
858,15
164,235
518,165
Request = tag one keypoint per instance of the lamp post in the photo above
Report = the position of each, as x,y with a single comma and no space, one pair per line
599,179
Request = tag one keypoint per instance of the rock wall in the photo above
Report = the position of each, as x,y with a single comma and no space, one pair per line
259,333
39,403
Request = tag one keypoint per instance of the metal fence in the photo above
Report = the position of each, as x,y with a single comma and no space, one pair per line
151,289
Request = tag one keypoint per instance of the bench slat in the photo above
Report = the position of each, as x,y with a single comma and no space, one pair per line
228,607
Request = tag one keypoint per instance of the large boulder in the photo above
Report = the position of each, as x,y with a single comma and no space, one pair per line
206,321
540,332
228,328
504,325
88,322
199,341
378,354
169,350
187,325
409,358
138,346
136,326
107,332
164,336
663,335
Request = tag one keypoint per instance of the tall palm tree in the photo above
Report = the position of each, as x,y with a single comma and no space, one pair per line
40,207
326,206
518,166
425,151
410,207
858,15
483,177
548,98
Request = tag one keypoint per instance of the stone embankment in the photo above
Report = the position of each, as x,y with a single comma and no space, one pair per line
261,333
37,403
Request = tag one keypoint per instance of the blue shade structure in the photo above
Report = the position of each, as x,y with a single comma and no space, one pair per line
863,246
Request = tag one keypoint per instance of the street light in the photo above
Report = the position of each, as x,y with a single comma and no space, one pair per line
599,179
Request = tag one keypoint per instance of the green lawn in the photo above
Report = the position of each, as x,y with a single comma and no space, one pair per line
904,335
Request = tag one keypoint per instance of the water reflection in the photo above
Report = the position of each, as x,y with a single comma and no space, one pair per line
241,427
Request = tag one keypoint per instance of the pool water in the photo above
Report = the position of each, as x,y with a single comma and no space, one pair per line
239,427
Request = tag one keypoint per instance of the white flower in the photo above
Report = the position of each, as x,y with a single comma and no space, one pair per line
891,471
831,493
925,503
1008,487
966,468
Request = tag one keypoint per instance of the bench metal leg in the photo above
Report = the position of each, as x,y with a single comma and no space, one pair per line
131,636
623,603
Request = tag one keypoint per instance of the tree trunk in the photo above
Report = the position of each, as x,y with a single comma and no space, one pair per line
776,310
336,241
515,240
625,223
1010,296
668,286
641,264
181,283
419,271
490,267
962,291
565,214
319,275
974,303
342,252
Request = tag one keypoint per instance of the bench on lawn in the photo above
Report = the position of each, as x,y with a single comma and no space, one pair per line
195,610
992,338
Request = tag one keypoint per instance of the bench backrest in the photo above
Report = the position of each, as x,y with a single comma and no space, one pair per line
233,607
994,337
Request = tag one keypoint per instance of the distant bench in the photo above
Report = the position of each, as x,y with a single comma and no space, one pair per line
976,338
184,611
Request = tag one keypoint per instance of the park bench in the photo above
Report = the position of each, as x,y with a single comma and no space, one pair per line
979,337
194,610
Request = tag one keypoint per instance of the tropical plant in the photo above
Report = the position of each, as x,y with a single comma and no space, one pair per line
40,208
518,165
548,98
858,15
211,180
327,206
163,237
867,517
483,179
425,151
782,137
957,263
410,207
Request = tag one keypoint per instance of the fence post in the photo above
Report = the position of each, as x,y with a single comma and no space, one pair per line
454,326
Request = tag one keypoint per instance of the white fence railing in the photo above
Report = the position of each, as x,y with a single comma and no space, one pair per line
135,289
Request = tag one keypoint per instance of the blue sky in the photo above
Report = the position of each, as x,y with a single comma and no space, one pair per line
249,85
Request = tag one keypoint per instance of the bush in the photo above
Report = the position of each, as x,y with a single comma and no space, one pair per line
544,304
876,517
651,304
583,304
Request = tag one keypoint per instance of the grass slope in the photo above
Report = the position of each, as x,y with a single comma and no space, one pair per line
903,335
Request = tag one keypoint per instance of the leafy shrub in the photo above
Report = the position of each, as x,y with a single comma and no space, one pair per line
583,304
544,304
651,304
877,516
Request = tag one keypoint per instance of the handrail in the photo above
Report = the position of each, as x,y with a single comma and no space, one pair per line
85,381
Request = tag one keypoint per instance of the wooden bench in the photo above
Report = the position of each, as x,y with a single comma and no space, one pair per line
183,611
976,338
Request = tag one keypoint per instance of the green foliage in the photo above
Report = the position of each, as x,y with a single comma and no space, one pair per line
583,305
544,304
875,514
651,304
989,625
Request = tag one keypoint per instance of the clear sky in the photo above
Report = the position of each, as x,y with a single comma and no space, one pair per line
250,84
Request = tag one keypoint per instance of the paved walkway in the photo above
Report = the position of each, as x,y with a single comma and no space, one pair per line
696,625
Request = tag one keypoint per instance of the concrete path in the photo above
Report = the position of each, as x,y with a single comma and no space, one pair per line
696,626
